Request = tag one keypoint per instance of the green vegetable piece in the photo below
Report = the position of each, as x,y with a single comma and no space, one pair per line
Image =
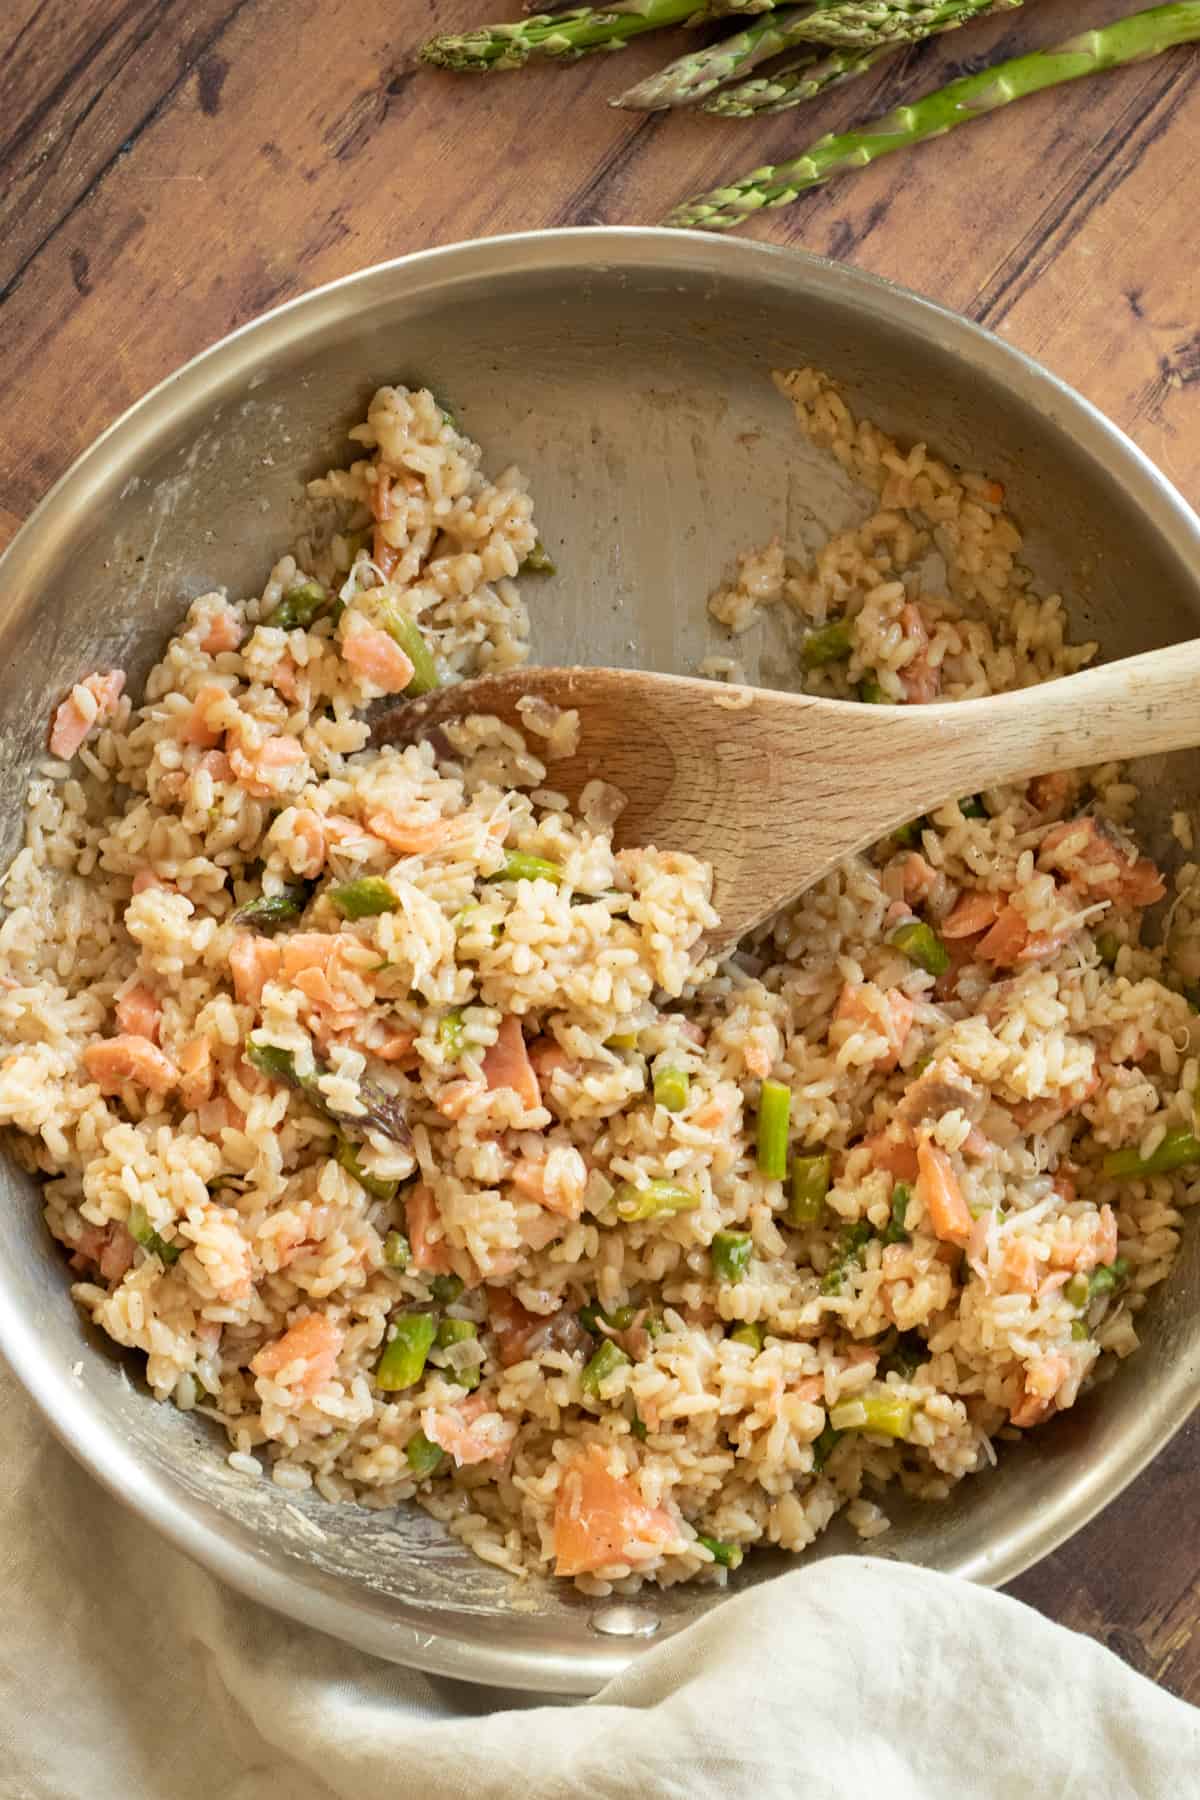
910,1352
922,945
905,836
371,1184
622,1040
748,1334
811,1176
619,1319
608,1359
270,1060
973,96
446,1288
830,644
1078,1291
266,914
824,1446
142,1232
852,1240
424,1458
404,1355
638,1427
671,1088
517,866
299,608
396,1250
728,1556
887,1414
973,808
450,1033
1108,948
363,899
731,1252
655,1200
455,1331
404,631
539,561
774,1113
1079,1330
1106,1280
871,694
1178,1150
380,1110
894,1232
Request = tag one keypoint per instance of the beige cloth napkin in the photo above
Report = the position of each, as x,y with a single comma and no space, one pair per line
128,1674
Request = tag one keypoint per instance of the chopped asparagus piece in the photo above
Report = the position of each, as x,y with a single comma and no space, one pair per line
731,1252
142,1232
774,1113
811,1176
608,1359
446,1289
671,1087
653,1201
922,945
727,1556
852,1240
887,1414
374,1185
299,607
269,911
382,1112
751,1334
407,633
363,899
397,1252
405,1353
829,644
517,866
424,1457
539,561
1178,1150
894,1232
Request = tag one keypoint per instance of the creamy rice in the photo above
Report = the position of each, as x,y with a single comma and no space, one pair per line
357,1076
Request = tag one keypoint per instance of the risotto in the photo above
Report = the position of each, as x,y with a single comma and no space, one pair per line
406,1129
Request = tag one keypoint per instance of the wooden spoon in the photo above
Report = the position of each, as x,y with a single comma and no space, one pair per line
774,789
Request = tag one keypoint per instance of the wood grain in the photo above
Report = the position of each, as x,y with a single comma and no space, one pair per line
169,168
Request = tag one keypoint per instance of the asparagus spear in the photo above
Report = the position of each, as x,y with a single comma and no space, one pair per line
801,78
874,25
1132,39
709,9
691,77
571,34
870,23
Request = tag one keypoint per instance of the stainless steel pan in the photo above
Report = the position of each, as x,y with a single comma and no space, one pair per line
628,373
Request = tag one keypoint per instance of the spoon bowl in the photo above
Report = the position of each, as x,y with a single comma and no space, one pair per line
774,789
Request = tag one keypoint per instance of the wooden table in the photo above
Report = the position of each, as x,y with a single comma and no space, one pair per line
170,168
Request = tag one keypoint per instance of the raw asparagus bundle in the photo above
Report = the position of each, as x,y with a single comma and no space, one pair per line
875,26
858,24
1132,39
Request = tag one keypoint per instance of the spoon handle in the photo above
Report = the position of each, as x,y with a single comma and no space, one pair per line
1140,706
